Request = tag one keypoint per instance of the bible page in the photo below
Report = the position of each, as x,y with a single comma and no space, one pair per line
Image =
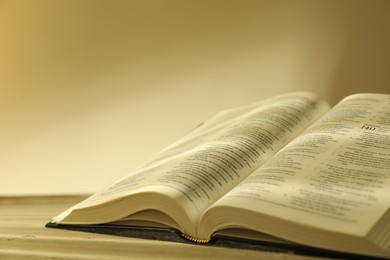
208,162
335,176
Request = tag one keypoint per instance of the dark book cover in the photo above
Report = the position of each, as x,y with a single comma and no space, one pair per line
218,240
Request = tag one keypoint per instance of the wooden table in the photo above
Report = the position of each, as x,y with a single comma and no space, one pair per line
23,235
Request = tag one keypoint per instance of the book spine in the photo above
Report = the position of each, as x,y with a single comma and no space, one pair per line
194,239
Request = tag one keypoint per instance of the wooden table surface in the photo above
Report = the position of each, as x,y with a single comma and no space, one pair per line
23,235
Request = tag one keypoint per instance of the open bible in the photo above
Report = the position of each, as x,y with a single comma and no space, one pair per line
289,167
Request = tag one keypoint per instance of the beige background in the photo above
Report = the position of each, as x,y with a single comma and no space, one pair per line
90,89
